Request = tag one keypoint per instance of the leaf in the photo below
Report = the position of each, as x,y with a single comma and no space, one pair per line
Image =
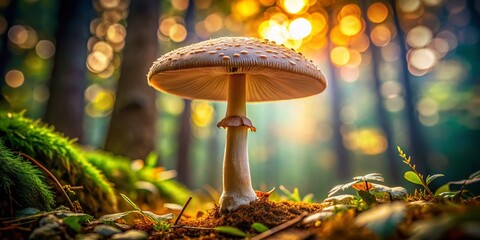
231,231
340,187
382,219
442,189
367,197
295,196
130,202
370,177
344,198
308,198
362,186
258,227
433,177
110,218
466,182
75,220
412,177
475,175
164,217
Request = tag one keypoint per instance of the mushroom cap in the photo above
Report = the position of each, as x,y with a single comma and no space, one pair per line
201,70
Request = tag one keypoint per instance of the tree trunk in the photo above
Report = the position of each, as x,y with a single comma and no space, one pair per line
132,126
382,115
5,55
185,132
343,165
67,84
417,145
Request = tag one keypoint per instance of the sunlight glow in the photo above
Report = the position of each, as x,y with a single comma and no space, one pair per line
295,6
273,31
246,8
368,141
299,28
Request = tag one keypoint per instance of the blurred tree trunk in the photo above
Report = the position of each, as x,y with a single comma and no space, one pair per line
343,165
382,115
132,126
417,148
67,84
185,132
5,55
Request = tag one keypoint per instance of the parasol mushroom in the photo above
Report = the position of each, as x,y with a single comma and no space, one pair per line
238,70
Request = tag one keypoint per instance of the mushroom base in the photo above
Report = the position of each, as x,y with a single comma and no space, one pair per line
232,200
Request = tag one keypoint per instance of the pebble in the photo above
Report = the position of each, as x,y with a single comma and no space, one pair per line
131,235
106,230
89,236
50,218
49,231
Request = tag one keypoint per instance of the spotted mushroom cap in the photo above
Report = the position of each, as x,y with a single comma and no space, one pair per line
201,70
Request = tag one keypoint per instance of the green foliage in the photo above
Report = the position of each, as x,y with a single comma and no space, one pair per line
63,158
414,176
295,195
23,182
75,220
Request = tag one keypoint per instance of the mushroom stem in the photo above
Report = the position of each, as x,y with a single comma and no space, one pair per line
237,186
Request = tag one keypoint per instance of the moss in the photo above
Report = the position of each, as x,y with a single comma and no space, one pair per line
23,183
62,157
118,170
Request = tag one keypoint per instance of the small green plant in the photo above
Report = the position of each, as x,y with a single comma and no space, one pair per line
414,176
368,190
446,192
160,222
295,195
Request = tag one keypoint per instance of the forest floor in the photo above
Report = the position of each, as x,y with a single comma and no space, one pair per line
418,218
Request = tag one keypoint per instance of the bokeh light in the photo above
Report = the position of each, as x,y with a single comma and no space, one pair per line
177,33
350,25
299,28
202,113
245,8
14,78
368,141
419,36
409,6
45,49
380,35
340,55
377,12
422,59
294,6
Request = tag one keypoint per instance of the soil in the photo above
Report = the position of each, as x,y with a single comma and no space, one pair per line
421,219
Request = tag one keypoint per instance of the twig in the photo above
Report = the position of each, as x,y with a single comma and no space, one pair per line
183,210
50,174
279,227
191,227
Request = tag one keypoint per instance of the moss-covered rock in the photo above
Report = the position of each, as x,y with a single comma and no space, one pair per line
62,157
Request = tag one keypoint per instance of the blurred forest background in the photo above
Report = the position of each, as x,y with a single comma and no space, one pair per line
400,73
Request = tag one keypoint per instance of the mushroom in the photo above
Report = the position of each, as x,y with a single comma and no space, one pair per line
238,70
